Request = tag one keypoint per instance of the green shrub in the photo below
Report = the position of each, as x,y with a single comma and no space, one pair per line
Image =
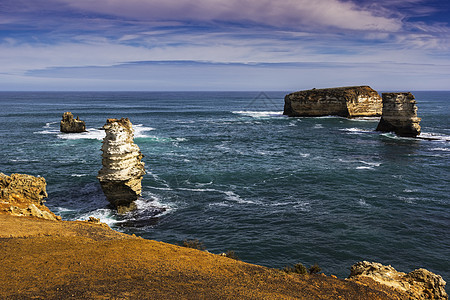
194,244
231,254
314,269
297,268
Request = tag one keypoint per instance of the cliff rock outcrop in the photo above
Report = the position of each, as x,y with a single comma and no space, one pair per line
23,195
70,125
418,284
354,101
123,169
399,115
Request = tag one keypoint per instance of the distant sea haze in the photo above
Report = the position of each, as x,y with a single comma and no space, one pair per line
233,172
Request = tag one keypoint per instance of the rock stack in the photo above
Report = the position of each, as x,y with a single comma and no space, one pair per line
399,115
23,195
418,284
123,169
70,125
349,102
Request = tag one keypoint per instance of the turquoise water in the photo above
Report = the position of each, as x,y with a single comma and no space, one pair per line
232,172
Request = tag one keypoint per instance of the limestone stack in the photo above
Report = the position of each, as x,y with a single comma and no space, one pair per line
70,125
349,102
399,115
418,284
123,169
23,195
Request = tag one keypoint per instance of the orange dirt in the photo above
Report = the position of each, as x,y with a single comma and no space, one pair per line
43,259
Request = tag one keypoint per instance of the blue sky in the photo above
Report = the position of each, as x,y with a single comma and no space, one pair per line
259,45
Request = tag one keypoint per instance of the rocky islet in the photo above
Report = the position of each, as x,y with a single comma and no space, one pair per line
70,125
399,115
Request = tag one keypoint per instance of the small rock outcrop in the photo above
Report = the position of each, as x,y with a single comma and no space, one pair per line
349,102
123,169
23,195
70,125
399,115
418,284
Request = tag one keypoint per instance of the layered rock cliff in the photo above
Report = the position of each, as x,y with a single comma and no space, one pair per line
123,169
399,115
354,101
418,284
23,195
70,125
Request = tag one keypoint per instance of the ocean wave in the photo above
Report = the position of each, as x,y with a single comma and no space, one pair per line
91,134
354,130
318,126
435,136
140,129
259,114
105,215
366,119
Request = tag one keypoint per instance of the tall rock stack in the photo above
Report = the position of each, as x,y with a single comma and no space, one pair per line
123,169
399,115
70,125
349,102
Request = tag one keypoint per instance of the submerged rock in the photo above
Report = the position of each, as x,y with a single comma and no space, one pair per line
23,195
399,115
123,169
349,102
418,284
70,125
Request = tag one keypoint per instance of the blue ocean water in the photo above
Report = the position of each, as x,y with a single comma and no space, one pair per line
231,171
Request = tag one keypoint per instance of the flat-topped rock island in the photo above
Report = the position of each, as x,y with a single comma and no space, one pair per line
349,102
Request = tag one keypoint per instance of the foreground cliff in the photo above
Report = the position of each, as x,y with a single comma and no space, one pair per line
123,169
399,115
23,195
44,259
349,102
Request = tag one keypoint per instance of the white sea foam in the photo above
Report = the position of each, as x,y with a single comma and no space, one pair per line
354,130
259,114
49,124
440,149
364,168
140,129
105,215
318,126
79,175
363,203
91,134
366,119
435,136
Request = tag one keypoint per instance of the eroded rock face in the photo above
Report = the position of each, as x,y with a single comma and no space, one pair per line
23,195
418,284
349,102
123,169
399,115
70,125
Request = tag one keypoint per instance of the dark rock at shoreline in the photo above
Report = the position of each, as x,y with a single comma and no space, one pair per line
354,101
70,125
399,115
122,171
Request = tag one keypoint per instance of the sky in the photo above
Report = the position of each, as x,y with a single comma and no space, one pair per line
218,45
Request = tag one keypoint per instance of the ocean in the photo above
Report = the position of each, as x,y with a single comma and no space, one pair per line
228,169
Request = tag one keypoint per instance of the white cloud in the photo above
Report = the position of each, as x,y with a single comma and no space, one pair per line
280,13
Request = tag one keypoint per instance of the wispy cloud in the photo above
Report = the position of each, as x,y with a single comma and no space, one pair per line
86,37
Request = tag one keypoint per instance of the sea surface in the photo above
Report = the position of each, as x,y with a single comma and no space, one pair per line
230,170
